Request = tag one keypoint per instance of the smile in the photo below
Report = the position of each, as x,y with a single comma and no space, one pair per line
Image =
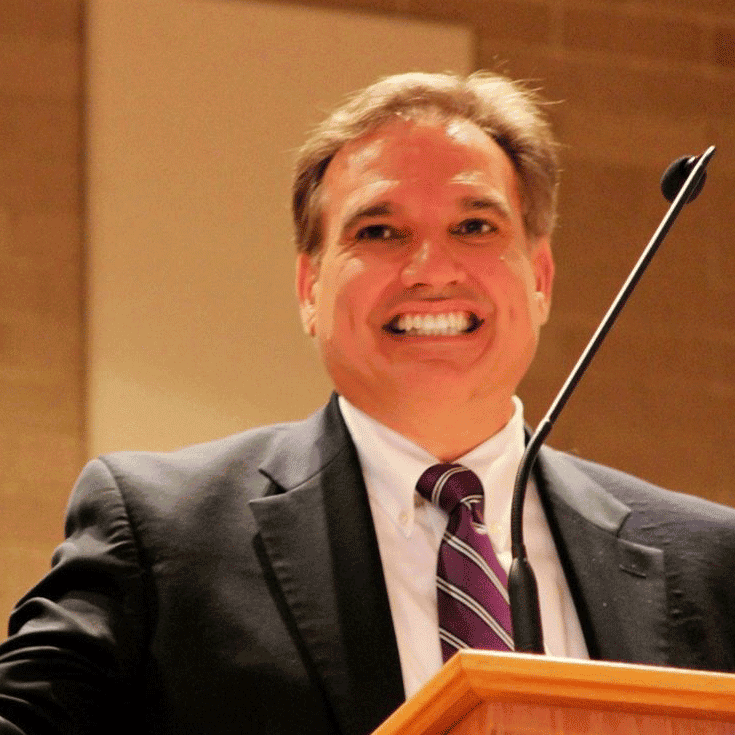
434,325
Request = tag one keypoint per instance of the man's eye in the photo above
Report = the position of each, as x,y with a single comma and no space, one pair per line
378,232
474,227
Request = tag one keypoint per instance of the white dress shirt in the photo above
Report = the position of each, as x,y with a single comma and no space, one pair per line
410,529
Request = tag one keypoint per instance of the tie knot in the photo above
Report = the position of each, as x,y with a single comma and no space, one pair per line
446,485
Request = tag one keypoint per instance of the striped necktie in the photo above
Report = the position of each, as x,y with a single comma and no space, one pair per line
471,585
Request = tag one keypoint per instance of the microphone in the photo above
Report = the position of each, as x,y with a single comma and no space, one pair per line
681,183
676,174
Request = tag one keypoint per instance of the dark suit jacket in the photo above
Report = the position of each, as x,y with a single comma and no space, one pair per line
236,587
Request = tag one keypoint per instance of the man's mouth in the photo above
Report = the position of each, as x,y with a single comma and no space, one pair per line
434,325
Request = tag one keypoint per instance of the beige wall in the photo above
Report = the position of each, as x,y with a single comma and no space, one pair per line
194,109
641,82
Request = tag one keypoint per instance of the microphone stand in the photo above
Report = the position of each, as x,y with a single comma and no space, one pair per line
522,587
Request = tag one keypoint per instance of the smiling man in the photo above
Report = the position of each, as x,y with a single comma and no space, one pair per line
426,279
308,577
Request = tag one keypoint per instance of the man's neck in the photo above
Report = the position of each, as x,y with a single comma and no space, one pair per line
445,431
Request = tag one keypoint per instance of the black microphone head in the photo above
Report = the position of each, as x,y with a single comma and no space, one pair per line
675,176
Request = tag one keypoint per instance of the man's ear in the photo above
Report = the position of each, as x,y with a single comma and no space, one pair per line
307,281
542,262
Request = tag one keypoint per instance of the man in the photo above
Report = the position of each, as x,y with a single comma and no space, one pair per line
283,580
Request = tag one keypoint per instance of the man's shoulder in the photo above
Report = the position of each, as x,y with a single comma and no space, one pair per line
245,462
647,502
243,449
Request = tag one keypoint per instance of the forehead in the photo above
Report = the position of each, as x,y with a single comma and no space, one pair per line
427,152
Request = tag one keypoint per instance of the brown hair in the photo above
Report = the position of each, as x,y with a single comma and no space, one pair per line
508,112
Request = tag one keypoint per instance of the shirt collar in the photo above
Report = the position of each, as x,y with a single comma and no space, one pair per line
391,465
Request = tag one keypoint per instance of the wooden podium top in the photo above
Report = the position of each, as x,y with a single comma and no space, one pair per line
473,677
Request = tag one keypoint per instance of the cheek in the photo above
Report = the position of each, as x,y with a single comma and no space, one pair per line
349,277
516,280
344,296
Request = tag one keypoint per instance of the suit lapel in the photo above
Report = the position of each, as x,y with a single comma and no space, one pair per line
318,535
618,586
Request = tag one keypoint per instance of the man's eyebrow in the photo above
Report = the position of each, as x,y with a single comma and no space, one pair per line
478,203
379,209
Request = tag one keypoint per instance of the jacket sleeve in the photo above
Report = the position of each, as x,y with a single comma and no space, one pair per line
77,639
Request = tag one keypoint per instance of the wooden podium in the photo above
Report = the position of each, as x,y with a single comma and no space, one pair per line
488,693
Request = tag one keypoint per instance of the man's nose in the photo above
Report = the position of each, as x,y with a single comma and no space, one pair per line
432,263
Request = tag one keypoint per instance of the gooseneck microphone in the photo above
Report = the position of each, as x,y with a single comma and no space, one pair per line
677,173
681,183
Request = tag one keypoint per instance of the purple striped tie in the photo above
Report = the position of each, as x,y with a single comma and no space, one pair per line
471,585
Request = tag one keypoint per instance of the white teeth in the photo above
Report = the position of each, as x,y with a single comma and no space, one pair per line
433,325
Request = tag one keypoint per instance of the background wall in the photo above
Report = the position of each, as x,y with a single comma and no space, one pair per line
194,109
639,82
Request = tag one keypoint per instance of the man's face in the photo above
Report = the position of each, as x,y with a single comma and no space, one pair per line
426,284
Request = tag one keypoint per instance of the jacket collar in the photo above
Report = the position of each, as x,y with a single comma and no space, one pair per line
317,530
618,585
